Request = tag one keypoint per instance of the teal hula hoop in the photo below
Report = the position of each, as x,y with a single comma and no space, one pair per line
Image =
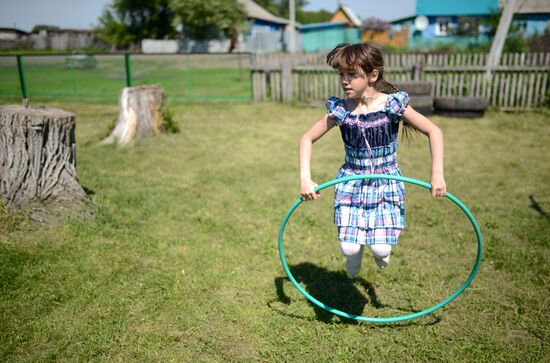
449,196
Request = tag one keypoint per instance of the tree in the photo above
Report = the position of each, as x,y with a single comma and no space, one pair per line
373,23
206,19
280,8
515,39
39,27
126,23
308,17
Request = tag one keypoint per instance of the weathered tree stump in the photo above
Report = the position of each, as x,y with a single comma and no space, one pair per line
38,158
140,114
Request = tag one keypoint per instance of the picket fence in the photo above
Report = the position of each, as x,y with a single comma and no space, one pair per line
519,82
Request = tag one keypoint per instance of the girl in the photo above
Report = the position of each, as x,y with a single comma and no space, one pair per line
368,212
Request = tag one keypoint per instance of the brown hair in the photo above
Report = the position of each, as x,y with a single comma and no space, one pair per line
366,57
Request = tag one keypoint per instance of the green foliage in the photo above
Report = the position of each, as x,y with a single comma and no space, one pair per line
126,22
204,19
280,7
515,40
169,125
39,27
307,17
182,76
467,26
540,42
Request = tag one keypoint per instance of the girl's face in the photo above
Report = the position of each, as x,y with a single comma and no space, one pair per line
354,82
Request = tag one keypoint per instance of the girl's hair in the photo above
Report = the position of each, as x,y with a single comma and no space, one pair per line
347,57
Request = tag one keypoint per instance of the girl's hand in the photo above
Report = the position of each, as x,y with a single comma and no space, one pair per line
308,190
439,188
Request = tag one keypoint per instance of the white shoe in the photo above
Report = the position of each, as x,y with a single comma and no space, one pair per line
382,262
353,264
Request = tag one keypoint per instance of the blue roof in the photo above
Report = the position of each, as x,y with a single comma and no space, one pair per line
456,8
447,8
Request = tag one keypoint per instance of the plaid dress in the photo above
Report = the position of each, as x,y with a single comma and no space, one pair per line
369,211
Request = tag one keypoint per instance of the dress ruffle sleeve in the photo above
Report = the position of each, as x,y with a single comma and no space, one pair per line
397,103
337,110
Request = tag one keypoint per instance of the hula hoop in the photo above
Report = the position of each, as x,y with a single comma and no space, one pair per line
449,196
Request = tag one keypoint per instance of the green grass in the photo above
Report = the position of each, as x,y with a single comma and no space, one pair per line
190,78
180,263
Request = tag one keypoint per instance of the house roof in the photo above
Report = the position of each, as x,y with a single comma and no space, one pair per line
255,11
533,7
427,7
14,30
351,15
324,25
448,8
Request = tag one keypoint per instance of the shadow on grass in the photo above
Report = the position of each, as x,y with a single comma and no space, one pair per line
89,192
536,206
336,290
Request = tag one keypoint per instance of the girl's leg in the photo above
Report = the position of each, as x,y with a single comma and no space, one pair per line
381,254
354,254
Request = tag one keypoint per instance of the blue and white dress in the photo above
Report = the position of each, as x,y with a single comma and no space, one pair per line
369,211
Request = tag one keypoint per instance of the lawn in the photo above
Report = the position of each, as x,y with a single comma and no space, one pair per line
181,263
188,77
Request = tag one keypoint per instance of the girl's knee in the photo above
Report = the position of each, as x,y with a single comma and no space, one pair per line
349,249
380,250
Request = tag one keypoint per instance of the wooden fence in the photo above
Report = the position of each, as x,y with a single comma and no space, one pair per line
520,81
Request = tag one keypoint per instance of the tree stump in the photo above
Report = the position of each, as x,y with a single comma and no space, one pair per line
140,114
38,158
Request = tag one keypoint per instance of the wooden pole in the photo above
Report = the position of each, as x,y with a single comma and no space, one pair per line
292,25
286,82
500,36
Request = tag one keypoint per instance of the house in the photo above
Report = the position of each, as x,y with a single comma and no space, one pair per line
532,16
440,22
61,39
366,33
261,20
319,37
346,15
12,38
381,32
267,32
13,34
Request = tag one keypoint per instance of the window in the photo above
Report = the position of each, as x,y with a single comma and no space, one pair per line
442,26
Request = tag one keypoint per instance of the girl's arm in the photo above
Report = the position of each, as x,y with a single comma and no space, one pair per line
435,136
307,186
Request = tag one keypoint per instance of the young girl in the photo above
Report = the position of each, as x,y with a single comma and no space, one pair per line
368,212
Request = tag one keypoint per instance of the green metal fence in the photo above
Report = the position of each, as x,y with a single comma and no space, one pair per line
102,76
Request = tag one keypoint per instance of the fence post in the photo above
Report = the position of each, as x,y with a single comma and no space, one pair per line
128,66
22,79
188,76
286,82
417,71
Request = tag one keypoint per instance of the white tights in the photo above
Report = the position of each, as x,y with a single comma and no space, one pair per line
380,250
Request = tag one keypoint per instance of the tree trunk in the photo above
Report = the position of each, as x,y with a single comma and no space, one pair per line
140,114
38,158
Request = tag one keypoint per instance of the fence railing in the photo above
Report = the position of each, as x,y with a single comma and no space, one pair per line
102,76
519,82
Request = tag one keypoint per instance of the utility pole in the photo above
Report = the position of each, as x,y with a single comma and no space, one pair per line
500,37
292,25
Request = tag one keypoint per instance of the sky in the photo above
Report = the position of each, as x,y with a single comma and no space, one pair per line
83,14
